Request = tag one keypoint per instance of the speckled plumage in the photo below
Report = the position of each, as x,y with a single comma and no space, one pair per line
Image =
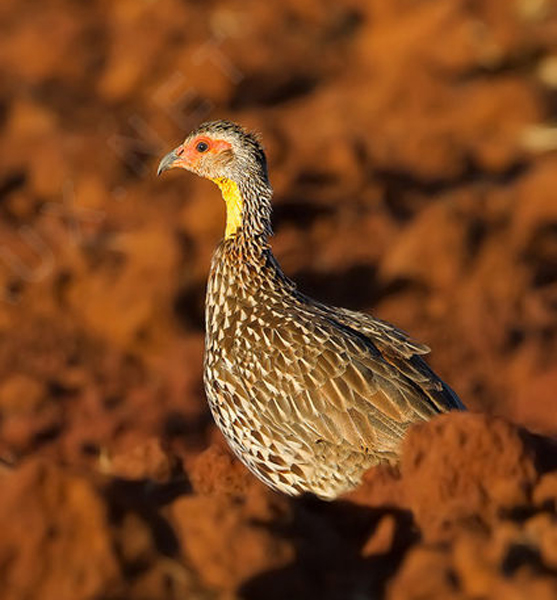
308,396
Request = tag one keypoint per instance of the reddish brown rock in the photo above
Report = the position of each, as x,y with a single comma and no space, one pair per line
243,544
147,460
461,470
55,541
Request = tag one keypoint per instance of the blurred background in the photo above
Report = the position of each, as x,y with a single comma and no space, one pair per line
412,147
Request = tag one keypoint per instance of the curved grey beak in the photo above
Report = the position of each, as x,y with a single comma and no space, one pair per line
167,162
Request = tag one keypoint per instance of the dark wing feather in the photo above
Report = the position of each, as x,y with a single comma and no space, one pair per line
404,353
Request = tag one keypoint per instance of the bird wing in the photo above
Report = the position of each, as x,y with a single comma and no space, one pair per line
311,372
398,348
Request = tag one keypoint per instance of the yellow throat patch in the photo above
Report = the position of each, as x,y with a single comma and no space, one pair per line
234,204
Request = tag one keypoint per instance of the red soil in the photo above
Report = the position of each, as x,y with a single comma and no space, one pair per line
415,167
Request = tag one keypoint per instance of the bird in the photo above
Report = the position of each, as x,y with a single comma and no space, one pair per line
308,396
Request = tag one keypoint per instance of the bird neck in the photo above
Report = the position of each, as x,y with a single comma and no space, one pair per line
248,209
234,204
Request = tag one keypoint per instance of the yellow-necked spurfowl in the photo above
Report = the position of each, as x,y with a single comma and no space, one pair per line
308,395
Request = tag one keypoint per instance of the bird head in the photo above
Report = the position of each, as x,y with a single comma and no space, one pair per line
218,149
232,157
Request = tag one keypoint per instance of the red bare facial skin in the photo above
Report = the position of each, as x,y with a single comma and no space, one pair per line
189,155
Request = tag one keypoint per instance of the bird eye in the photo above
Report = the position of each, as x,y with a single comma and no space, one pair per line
202,146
